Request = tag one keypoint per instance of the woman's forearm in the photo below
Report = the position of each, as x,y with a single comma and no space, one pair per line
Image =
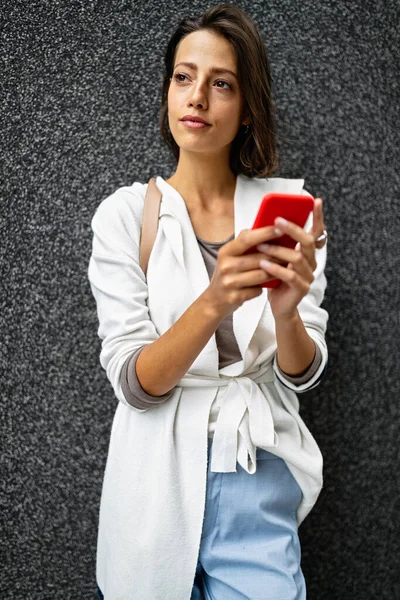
165,361
295,348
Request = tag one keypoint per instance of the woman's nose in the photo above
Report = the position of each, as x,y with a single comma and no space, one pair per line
198,97
197,104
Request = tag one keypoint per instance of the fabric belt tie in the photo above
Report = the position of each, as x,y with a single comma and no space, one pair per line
244,421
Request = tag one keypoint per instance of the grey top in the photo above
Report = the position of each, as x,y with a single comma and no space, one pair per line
228,349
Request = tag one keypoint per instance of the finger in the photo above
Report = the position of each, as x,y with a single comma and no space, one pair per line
244,279
247,240
281,254
294,231
297,233
247,264
289,276
239,271
318,219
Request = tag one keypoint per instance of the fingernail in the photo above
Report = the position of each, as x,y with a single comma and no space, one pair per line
278,231
264,247
281,221
265,264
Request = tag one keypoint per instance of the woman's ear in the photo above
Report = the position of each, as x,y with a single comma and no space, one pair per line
245,119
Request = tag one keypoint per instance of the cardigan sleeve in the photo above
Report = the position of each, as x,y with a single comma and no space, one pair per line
118,283
304,377
132,389
315,319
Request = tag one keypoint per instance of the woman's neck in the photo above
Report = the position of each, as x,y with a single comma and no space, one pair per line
203,180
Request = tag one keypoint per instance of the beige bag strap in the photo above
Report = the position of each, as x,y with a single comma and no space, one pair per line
151,210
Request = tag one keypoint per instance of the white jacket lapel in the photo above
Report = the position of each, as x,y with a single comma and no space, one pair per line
178,229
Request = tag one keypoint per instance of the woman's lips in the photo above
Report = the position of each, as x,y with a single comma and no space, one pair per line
195,124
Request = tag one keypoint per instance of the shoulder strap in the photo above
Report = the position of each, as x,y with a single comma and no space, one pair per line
151,212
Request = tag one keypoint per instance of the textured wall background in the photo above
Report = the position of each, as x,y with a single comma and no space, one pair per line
80,97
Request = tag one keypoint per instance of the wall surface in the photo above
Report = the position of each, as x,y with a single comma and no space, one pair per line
80,96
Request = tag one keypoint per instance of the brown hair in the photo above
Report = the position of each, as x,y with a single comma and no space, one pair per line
254,153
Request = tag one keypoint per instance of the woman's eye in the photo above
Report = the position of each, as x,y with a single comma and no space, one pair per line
178,76
224,83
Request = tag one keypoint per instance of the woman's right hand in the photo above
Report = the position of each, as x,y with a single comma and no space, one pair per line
237,277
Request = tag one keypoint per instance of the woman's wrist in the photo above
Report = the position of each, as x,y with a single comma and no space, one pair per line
295,348
287,319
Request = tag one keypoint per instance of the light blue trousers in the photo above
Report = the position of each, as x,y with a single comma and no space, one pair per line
249,547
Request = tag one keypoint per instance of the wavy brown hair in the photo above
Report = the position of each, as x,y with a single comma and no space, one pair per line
254,153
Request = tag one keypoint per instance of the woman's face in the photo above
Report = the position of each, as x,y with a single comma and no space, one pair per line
198,89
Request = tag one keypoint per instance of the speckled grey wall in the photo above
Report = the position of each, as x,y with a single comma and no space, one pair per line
80,85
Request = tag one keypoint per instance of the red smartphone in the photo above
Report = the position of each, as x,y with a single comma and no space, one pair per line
292,207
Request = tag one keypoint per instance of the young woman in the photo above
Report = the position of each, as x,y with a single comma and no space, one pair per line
210,467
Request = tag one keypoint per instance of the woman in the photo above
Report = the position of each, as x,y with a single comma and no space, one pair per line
210,467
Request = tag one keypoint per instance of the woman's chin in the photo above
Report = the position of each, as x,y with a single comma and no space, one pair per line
196,147
195,144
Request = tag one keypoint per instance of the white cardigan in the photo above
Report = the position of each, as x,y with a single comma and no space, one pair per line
153,495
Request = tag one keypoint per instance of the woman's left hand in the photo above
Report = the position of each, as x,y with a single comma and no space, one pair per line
294,267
